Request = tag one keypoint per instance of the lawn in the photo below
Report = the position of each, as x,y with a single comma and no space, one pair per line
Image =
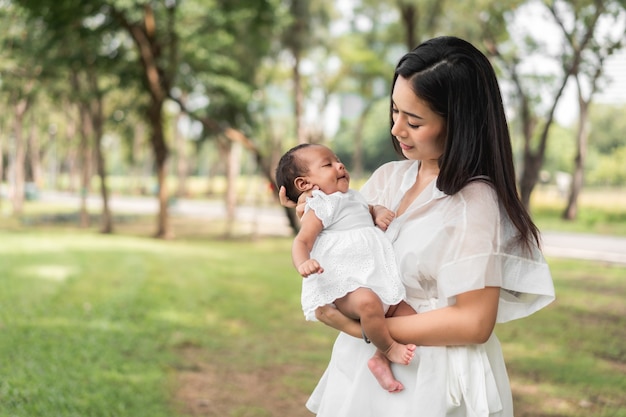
131,326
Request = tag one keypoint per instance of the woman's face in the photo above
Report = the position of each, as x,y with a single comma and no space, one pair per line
420,132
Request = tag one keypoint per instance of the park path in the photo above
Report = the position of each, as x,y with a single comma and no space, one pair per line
271,220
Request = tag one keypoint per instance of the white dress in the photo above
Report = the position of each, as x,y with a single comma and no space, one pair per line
444,246
353,252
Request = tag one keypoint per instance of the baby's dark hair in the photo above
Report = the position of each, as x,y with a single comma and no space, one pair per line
289,168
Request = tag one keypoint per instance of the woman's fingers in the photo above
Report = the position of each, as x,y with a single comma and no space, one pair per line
282,197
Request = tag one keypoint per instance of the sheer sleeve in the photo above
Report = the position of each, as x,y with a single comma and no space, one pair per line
383,185
484,251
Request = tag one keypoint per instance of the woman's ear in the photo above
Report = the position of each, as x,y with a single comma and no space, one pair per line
302,184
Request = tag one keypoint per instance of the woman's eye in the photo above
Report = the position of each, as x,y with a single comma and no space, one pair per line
412,126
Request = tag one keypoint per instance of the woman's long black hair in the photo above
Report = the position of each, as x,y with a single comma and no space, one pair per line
459,83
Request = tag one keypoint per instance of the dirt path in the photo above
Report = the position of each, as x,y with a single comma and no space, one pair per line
214,390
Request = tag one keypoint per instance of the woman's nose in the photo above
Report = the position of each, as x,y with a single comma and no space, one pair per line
396,130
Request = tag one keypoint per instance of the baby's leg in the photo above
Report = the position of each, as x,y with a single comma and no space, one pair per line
364,304
378,364
400,309
380,367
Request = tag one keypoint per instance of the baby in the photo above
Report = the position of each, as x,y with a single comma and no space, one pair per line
345,259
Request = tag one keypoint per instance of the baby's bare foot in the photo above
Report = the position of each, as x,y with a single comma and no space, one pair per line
399,353
381,369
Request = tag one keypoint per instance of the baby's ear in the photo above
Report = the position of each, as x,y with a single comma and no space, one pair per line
302,184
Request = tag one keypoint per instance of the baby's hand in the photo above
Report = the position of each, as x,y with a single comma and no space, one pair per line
309,267
382,216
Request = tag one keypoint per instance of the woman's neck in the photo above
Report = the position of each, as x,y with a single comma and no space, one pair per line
428,168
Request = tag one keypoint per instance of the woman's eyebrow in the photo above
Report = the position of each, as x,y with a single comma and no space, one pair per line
413,115
407,113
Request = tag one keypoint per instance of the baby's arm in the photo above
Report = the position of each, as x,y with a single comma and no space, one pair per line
382,216
310,228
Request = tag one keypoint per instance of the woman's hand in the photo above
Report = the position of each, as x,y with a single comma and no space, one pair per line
284,201
299,205
334,318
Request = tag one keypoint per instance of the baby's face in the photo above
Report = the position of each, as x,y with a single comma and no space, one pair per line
325,169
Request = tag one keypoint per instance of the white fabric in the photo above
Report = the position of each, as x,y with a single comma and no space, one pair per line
353,252
444,246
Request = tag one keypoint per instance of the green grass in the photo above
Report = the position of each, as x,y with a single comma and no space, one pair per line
600,211
570,358
95,325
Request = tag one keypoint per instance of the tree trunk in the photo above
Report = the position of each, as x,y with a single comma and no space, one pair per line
182,163
73,160
158,83
106,224
298,99
35,160
357,154
1,159
139,170
530,176
160,153
86,131
409,13
19,157
582,138
232,174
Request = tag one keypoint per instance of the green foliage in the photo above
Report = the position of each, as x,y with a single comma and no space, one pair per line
611,168
561,149
607,127
377,148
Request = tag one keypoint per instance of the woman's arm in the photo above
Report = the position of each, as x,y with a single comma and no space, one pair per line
471,320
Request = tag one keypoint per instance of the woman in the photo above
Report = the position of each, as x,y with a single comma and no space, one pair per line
467,250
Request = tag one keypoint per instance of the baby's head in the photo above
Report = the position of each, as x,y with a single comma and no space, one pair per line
308,165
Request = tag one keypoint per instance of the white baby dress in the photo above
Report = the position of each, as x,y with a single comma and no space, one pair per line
353,252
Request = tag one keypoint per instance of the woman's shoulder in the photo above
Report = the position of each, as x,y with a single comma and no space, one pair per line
393,168
477,199
479,189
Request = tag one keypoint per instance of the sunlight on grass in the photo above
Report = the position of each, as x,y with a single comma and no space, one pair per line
104,325
601,211
569,359
48,272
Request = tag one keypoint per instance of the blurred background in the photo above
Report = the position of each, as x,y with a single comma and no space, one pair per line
198,98
124,121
